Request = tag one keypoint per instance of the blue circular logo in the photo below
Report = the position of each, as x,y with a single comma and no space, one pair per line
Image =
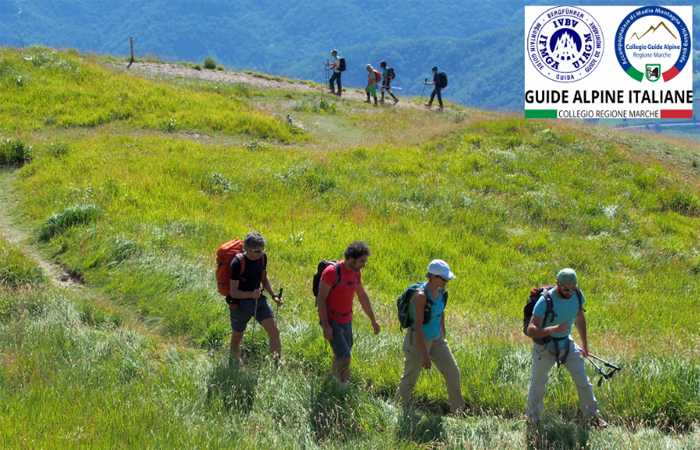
565,44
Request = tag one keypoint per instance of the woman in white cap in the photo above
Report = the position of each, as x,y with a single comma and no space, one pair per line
425,344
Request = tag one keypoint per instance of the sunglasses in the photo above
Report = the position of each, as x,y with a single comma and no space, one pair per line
257,250
566,289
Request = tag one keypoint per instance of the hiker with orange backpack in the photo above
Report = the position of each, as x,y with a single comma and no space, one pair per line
246,272
373,77
339,282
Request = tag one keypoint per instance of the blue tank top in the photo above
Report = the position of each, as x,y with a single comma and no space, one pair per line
431,330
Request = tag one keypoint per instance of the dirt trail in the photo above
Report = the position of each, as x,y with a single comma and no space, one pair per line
15,233
167,70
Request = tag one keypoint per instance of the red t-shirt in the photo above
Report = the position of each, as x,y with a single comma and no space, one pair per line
340,298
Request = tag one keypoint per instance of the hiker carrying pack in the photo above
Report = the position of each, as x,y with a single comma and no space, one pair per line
564,313
317,280
404,305
535,294
425,345
224,256
341,64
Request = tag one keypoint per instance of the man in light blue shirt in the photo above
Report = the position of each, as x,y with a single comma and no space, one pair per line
558,347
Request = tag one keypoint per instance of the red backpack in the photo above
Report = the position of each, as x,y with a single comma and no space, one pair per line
224,255
377,75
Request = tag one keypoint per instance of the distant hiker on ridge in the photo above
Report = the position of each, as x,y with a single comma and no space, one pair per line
439,85
387,76
373,76
337,66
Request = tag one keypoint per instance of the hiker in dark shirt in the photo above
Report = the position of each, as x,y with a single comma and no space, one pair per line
436,91
246,299
386,82
335,67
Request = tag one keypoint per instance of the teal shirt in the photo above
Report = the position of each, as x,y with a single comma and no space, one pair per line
566,310
431,330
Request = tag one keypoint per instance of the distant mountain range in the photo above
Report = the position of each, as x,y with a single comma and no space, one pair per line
472,41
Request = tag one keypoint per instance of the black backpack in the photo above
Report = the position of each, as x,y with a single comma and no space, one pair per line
442,80
403,305
535,294
341,64
390,74
319,271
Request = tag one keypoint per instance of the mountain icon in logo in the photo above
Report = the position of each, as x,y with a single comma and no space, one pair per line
653,29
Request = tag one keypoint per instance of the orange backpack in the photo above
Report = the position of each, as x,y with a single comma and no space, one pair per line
224,255
377,75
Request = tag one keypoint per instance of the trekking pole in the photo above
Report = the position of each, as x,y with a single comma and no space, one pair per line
604,376
328,61
277,310
421,94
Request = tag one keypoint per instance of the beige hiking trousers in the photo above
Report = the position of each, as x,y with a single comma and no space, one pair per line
440,355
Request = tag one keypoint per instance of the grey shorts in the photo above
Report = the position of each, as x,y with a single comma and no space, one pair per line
244,310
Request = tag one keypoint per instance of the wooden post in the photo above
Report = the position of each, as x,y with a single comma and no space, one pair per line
131,38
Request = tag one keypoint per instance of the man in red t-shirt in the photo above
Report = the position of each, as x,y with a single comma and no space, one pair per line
335,306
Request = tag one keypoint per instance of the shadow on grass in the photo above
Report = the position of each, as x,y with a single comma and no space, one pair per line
333,411
555,433
234,385
420,428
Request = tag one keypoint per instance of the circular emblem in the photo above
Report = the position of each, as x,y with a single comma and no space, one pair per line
565,44
653,43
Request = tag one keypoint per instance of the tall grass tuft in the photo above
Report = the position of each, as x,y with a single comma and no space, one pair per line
14,152
68,217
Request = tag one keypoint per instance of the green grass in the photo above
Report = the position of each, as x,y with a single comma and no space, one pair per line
507,202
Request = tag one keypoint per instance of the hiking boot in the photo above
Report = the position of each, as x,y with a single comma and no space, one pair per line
597,423
367,101
396,100
338,93
429,106
381,100
441,108
333,91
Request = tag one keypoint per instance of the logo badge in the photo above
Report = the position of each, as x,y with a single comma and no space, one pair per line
565,44
652,37
653,72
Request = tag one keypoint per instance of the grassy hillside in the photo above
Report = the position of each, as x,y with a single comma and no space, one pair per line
136,209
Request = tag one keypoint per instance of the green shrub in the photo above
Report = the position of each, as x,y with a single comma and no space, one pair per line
209,63
220,68
73,215
197,67
14,153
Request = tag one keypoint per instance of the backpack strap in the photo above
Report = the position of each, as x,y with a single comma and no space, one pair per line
579,296
241,260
